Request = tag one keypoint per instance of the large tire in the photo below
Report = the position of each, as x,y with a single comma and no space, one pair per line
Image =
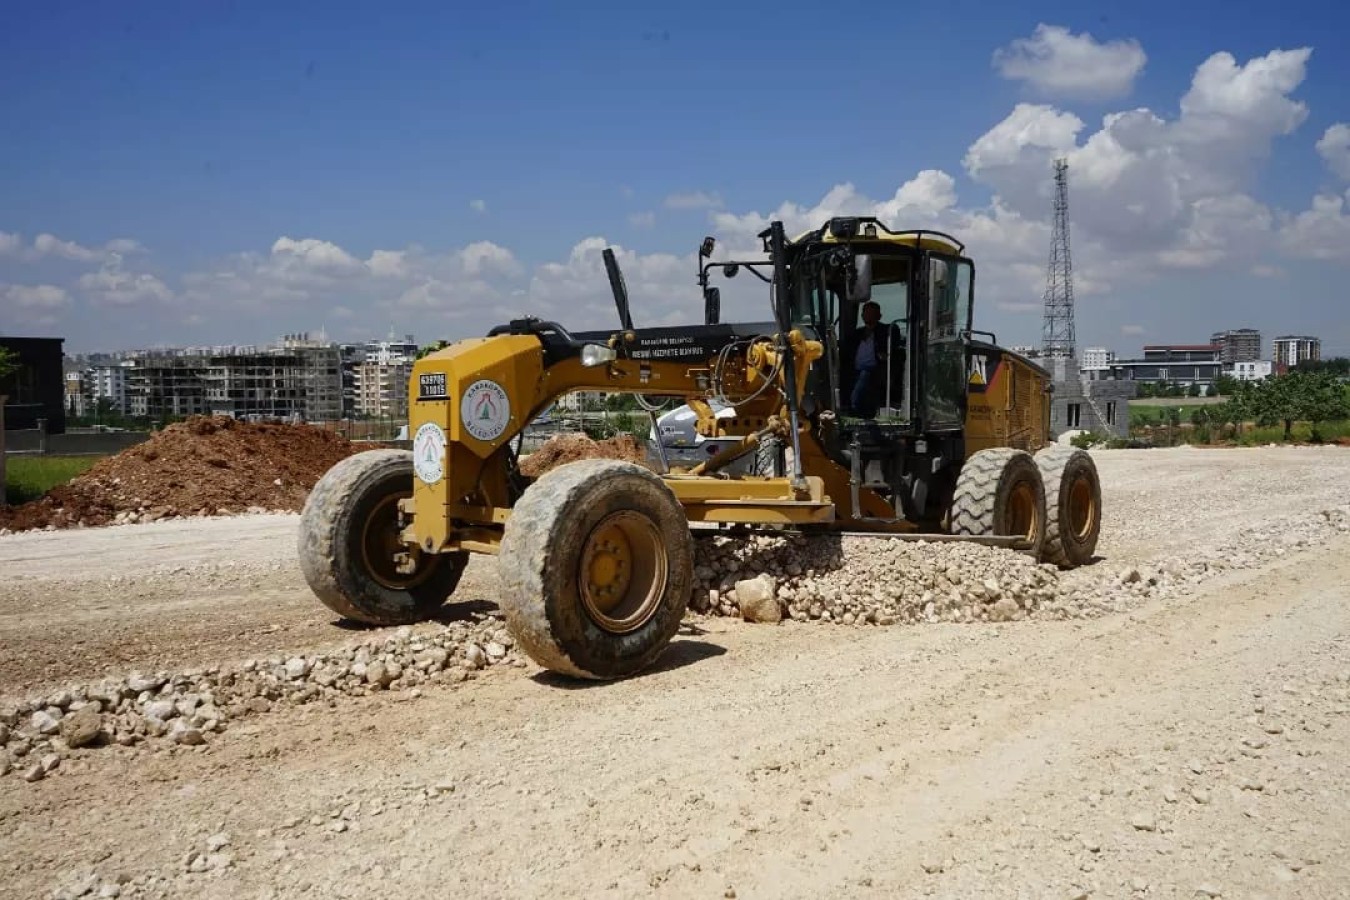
597,568
1073,505
348,535
1000,492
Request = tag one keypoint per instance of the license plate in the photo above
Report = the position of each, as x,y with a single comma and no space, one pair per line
431,385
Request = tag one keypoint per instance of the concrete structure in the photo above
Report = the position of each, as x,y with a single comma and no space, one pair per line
1101,406
1289,350
37,389
77,395
1184,364
1097,358
382,387
1258,370
162,386
1237,345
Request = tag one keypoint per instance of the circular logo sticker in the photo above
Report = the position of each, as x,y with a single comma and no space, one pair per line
429,453
485,410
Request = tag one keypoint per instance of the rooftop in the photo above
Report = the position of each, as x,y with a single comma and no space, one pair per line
1148,347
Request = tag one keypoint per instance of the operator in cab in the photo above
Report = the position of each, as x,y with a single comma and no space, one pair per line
871,351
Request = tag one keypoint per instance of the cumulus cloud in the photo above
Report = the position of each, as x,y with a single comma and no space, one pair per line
47,245
1322,232
35,306
112,285
1334,148
1059,63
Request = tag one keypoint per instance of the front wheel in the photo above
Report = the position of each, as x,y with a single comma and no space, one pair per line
349,537
597,568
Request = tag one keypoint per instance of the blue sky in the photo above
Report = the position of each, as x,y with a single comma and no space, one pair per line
174,175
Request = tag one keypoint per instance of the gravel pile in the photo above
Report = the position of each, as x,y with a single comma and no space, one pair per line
874,580
191,708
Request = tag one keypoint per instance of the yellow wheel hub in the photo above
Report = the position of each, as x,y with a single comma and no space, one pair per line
1022,518
623,572
1082,508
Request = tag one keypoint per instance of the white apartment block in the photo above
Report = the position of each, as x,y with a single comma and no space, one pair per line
1096,358
381,388
110,382
1290,350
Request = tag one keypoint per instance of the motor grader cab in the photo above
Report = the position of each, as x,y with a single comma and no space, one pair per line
890,415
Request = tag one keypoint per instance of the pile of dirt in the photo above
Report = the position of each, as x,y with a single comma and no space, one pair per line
203,466
566,448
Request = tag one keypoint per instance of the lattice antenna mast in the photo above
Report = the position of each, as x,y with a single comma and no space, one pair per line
1058,337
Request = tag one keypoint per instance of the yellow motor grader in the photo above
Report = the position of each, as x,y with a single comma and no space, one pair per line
881,410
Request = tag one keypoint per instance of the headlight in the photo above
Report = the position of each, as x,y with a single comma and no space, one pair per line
597,355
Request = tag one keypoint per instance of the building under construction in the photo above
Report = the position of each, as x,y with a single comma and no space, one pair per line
300,380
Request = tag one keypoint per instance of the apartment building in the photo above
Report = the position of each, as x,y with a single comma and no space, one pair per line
1237,345
1096,358
109,381
1289,350
380,372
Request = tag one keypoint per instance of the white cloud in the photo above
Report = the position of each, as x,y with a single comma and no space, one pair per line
1262,270
642,219
694,200
478,206
34,297
1334,148
1132,330
388,263
112,285
487,258
1060,63
1322,232
313,255
35,306
47,245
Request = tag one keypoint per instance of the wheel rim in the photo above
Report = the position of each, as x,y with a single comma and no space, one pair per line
1082,508
623,572
380,543
1022,514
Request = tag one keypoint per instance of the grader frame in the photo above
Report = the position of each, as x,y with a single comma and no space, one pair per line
597,556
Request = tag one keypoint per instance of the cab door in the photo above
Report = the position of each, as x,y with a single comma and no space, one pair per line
947,285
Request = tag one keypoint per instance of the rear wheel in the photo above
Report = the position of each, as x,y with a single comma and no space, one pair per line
597,568
1073,504
349,536
1000,492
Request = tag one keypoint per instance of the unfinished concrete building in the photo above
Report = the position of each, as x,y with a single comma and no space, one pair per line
1101,406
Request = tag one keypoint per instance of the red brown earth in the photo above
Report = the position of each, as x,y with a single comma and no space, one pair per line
206,465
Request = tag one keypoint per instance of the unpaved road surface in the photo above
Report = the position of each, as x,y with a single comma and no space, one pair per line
1192,745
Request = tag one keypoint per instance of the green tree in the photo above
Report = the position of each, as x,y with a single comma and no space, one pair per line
1225,385
1323,399
9,362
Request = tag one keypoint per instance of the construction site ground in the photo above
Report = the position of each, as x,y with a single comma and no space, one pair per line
1189,745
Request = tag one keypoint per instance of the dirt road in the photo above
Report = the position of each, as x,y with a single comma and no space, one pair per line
1192,746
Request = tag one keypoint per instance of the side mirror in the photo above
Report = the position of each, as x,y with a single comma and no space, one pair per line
861,289
712,306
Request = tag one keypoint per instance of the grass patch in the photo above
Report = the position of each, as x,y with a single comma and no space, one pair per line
29,477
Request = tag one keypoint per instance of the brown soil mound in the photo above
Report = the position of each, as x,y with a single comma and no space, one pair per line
566,448
203,466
